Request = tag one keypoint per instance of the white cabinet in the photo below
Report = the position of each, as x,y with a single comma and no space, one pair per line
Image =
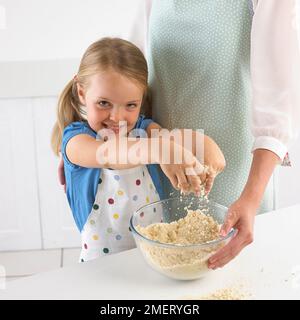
34,212
58,227
19,205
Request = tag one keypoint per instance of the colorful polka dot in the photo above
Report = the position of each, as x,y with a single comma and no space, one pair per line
96,206
138,182
85,246
154,209
120,192
143,174
117,177
116,216
105,250
147,200
82,260
109,230
95,237
100,181
135,197
111,201
129,229
92,222
118,237
142,214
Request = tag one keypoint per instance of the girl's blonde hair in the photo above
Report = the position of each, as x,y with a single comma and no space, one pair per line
108,53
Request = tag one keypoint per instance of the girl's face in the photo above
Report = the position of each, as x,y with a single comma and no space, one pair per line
109,99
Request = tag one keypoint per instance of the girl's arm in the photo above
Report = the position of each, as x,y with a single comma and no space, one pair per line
202,146
85,151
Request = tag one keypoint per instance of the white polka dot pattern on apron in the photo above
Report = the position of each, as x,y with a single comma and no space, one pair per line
199,74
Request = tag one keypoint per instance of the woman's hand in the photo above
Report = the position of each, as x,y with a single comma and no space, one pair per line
188,175
61,174
240,216
242,212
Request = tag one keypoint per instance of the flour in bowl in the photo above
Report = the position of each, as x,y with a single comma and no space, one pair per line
185,260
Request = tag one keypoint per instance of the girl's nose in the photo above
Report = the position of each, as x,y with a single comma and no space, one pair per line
116,114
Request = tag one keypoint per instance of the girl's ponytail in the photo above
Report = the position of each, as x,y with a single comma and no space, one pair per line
68,111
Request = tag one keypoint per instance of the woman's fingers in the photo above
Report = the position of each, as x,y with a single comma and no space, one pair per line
242,219
230,220
61,174
231,250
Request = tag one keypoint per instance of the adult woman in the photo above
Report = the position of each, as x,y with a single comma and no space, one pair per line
199,55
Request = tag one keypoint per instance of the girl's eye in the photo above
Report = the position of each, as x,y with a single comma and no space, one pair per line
104,104
131,106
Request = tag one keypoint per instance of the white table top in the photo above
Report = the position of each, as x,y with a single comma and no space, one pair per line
267,269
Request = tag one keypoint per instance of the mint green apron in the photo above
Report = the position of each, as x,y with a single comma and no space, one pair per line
199,74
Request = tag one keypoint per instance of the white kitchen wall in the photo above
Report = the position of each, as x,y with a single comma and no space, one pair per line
61,29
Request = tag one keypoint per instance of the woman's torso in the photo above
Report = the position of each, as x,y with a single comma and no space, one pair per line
199,73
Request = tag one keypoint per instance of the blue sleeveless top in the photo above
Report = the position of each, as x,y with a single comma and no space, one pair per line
82,183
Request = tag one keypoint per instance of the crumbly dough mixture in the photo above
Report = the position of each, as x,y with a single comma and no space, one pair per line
181,262
194,228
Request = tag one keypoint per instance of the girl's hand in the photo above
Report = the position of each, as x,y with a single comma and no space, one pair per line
240,216
188,175
61,174
214,161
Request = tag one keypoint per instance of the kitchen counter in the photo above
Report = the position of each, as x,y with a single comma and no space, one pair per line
267,269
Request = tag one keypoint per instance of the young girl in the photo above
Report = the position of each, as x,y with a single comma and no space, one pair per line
108,93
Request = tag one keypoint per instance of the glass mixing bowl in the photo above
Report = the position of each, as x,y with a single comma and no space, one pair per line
177,261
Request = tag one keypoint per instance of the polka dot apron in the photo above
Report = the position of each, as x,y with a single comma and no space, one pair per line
119,194
200,79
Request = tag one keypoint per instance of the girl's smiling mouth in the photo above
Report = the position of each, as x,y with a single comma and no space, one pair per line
115,128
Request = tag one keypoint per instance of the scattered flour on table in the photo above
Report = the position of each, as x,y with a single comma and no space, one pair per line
231,293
